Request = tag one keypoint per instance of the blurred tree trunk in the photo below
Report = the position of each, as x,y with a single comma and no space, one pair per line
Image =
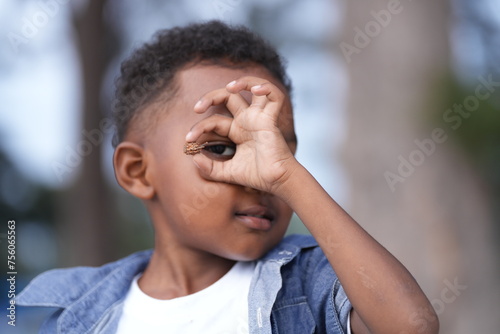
88,223
437,221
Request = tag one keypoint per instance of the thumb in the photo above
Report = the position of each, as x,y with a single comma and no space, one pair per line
209,169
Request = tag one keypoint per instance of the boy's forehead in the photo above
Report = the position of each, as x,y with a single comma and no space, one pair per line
196,80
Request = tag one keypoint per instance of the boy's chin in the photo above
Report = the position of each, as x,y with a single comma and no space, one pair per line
246,258
250,254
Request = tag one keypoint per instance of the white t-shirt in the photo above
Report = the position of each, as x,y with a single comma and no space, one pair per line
220,308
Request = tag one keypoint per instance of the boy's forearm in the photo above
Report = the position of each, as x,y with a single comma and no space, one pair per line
381,290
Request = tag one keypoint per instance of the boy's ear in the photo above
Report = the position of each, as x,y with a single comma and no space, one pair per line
131,170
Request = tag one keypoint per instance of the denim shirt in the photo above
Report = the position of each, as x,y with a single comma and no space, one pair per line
293,290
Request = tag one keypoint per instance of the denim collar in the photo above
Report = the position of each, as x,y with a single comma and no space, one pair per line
264,291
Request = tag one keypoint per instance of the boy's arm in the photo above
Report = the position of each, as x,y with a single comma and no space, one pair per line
384,295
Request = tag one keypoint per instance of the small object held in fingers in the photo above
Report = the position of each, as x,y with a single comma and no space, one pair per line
192,148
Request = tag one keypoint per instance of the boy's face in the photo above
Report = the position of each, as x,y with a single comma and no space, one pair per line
192,213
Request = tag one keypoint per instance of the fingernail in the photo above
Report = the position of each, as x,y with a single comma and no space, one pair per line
188,136
198,104
232,83
256,87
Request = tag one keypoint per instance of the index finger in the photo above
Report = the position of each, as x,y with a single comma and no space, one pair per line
234,102
258,87
265,95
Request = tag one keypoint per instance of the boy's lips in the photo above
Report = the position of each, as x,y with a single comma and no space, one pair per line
256,217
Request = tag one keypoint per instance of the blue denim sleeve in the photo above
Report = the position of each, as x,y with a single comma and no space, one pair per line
327,298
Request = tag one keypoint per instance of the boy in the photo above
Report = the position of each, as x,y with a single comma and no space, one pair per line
218,122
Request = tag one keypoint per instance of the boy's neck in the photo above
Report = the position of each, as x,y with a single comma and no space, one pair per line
171,274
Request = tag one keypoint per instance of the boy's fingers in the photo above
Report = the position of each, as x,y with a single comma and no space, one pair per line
233,102
244,83
259,101
258,86
263,93
210,169
217,123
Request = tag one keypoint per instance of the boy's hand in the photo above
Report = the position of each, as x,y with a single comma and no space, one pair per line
377,284
263,160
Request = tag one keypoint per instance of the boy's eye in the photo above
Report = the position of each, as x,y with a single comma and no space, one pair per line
223,150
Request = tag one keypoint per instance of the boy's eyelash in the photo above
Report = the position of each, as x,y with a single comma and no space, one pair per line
210,148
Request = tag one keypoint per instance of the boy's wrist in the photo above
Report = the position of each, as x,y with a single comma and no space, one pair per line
289,184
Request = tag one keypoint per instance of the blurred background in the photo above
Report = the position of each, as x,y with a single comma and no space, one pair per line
404,96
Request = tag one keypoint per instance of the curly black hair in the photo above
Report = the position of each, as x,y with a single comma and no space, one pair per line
149,72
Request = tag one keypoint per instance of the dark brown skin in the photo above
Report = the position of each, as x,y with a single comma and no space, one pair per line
198,203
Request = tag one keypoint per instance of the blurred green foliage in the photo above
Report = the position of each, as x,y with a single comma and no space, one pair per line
478,134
